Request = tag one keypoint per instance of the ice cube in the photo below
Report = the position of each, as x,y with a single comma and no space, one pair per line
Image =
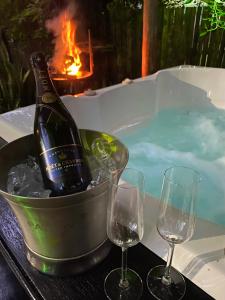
25,179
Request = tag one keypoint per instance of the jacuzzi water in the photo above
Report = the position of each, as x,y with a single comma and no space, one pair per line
187,136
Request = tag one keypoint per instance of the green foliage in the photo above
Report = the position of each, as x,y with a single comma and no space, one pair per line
25,22
215,12
13,79
216,17
182,3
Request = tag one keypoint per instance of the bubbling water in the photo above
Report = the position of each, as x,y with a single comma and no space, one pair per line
192,137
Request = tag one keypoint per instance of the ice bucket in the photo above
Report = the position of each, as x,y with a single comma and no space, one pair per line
67,234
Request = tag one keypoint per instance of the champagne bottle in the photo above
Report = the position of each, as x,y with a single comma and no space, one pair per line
62,162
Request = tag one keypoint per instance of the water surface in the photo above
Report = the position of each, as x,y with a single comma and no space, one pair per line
193,137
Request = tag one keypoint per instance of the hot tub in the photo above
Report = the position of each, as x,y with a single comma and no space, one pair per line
175,116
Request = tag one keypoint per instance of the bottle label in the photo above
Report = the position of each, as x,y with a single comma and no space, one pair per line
48,97
61,161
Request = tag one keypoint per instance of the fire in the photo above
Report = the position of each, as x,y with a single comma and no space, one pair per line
66,58
72,58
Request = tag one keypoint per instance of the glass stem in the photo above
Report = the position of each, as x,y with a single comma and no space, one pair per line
123,280
166,279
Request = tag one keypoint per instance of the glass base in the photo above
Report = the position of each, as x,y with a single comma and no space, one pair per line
173,291
113,290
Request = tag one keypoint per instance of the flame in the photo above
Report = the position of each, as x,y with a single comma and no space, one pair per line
66,58
72,58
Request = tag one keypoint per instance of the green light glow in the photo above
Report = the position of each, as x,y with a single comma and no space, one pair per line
33,221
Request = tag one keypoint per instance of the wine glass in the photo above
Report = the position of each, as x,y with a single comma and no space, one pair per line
125,229
175,224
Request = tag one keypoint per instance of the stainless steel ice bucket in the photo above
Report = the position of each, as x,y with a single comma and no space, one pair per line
67,234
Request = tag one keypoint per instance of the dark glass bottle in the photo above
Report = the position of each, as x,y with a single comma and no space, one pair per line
62,162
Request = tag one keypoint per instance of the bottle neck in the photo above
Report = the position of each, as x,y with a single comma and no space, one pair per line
45,90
